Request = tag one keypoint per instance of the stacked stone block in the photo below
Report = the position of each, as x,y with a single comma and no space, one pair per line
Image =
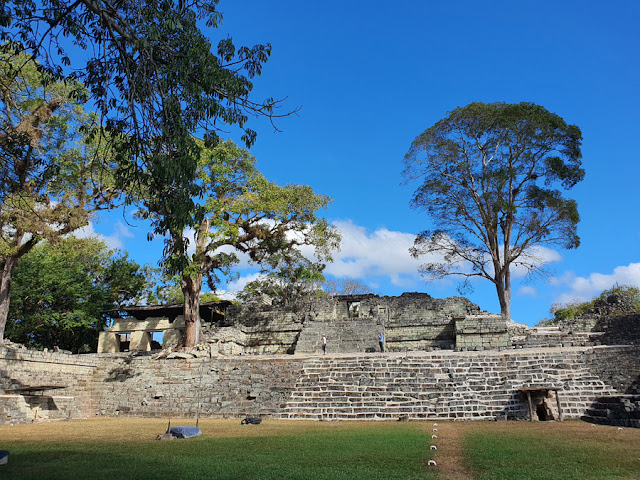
27,368
447,386
481,332
617,410
443,384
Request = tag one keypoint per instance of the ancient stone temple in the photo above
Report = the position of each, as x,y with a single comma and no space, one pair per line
351,323
444,359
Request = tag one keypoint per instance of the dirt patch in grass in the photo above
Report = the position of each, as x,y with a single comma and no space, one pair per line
450,455
137,430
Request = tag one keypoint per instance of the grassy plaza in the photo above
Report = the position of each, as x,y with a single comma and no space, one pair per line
125,448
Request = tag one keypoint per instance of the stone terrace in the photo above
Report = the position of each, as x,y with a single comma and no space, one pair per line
442,384
445,385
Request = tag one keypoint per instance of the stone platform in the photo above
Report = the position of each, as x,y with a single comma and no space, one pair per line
389,386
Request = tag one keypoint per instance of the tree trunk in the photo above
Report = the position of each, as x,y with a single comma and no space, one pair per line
506,313
5,293
503,288
191,288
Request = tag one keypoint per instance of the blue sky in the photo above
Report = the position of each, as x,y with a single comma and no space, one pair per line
369,76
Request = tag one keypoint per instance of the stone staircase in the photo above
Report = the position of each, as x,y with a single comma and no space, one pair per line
343,335
618,410
544,337
448,385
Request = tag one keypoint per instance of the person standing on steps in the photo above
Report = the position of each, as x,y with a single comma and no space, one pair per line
324,344
381,341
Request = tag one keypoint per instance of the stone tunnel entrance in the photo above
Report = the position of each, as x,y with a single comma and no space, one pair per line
540,403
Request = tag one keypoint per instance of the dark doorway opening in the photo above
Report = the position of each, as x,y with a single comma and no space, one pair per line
541,411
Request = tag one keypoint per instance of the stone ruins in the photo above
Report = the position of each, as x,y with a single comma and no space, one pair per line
444,359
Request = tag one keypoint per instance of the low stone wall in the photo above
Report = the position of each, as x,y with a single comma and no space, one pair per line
140,386
27,368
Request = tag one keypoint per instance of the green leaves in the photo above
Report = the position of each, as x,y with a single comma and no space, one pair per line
50,178
241,212
156,82
61,291
489,178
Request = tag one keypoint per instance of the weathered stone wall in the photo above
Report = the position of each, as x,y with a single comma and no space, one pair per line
586,330
545,337
447,385
224,387
420,322
25,368
443,384
619,367
618,410
481,332
413,321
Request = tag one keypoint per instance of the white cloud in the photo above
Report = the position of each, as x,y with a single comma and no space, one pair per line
386,253
379,253
585,288
190,235
113,241
233,287
527,291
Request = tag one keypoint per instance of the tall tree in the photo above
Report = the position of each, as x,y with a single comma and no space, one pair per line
242,213
61,292
51,177
155,79
288,277
490,177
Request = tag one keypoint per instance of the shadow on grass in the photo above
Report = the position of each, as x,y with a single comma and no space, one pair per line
348,455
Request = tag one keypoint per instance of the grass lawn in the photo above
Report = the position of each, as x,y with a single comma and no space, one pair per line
122,448
127,449
550,450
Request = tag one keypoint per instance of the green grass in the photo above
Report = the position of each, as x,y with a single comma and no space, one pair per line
380,451
571,450
120,448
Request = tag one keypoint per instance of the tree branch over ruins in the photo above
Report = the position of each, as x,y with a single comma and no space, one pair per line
51,178
241,213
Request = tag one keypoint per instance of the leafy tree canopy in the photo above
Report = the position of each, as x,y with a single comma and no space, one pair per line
490,178
155,79
61,291
288,278
51,176
241,213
